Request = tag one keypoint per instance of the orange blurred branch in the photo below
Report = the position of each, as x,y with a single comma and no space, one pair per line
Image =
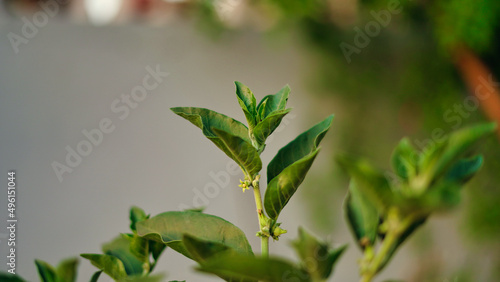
480,81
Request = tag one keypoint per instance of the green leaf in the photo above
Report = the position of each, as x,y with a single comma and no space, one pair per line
242,152
370,182
110,265
120,248
247,101
362,216
464,169
289,167
67,269
273,103
169,228
46,271
8,277
206,120
281,188
457,144
95,277
302,146
266,127
405,160
317,258
201,250
238,266
136,215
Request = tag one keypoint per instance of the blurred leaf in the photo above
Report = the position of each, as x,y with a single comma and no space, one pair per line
95,276
120,248
46,271
457,144
169,228
370,182
464,169
247,101
242,152
149,278
317,259
289,167
136,215
405,160
362,216
139,247
238,266
110,265
67,270
8,277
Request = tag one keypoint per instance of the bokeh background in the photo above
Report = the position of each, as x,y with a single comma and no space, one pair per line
386,69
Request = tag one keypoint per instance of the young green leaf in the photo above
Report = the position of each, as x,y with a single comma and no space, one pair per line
46,271
110,265
169,228
273,103
266,127
362,216
317,258
370,182
464,169
288,168
247,101
248,268
206,120
242,152
8,277
405,160
66,270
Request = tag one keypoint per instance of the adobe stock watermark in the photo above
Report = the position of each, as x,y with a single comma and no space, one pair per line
220,180
455,115
121,107
362,38
39,20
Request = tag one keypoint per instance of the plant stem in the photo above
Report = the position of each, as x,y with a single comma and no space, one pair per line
264,243
389,241
397,227
264,246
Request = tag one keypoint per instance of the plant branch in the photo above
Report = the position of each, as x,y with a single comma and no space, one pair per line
396,227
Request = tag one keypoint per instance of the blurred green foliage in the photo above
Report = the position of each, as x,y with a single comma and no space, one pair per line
404,82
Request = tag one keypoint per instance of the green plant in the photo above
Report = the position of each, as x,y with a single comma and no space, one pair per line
382,211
